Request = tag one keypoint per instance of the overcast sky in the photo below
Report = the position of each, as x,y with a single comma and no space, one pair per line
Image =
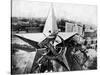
83,13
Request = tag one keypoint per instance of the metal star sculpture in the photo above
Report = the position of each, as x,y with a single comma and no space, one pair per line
47,42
